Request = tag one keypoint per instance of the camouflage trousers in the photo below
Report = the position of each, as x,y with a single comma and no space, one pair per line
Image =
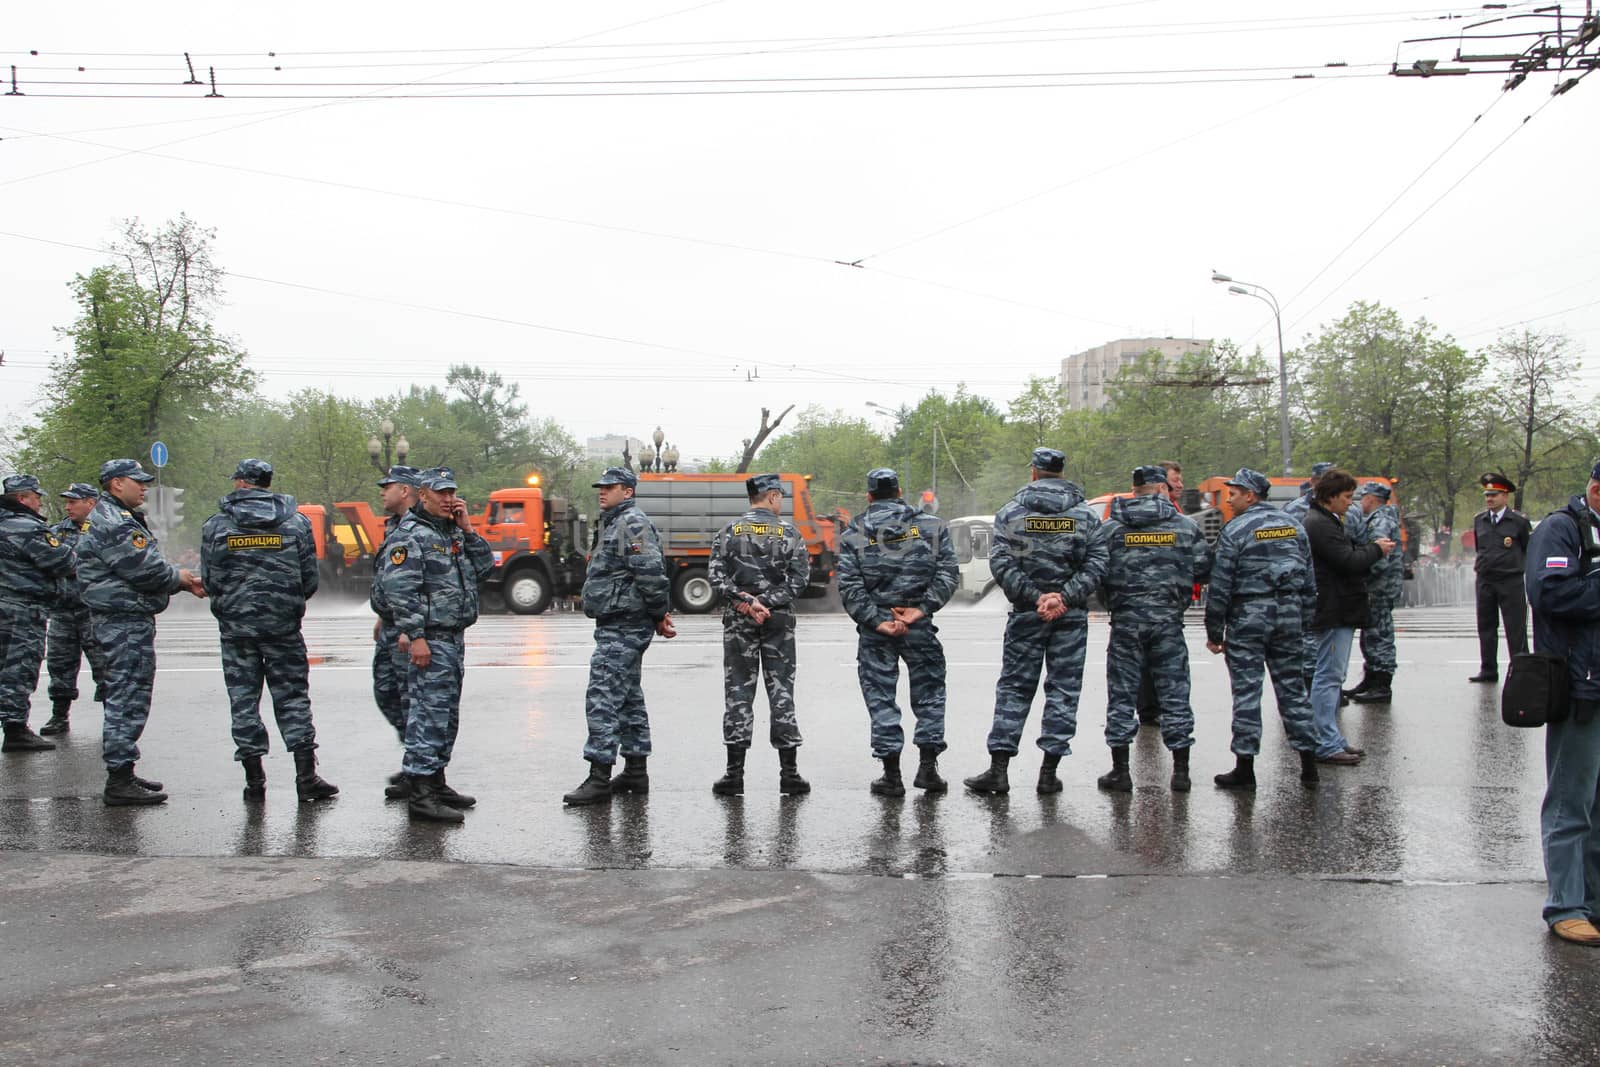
280,661
1142,648
1377,636
748,649
71,642
1032,643
22,630
1266,633
614,702
878,668
389,667
129,642
433,704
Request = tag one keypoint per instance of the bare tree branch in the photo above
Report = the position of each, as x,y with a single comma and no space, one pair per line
753,445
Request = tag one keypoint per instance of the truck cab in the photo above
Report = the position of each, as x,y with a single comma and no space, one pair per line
537,543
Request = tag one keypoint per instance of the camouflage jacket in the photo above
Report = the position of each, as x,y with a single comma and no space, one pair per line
759,557
1387,576
69,597
33,559
431,571
1355,522
258,561
893,555
1263,554
120,567
1157,554
627,575
380,563
1044,542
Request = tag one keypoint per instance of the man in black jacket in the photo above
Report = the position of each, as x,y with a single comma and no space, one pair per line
1563,583
1341,569
1500,536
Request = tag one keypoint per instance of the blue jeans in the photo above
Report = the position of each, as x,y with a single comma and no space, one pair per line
1333,657
1569,819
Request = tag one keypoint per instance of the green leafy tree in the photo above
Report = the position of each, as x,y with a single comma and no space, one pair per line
836,449
1535,373
943,443
145,358
1449,435
1360,389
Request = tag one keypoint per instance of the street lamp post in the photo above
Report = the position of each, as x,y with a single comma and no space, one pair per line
660,458
899,424
380,448
1263,294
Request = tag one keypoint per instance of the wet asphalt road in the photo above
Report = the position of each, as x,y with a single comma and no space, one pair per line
1392,915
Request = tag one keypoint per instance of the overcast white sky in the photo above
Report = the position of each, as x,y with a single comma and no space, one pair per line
631,245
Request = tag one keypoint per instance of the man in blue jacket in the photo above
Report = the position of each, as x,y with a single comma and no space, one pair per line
1048,561
897,566
33,564
126,583
259,563
1562,577
626,593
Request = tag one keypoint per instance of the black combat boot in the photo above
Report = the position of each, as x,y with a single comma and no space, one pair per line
307,783
890,785
1308,770
1180,770
123,791
1117,779
59,723
928,776
399,787
1243,775
148,785
1048,782
994,779
450,795
255,778
595,789
731,784
427,804
1378,692
789,781
18,738
1361,687
635,777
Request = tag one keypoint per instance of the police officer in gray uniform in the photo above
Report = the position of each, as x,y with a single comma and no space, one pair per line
627,594
434,564
759,565
1261,601
1046,558
258,560
1156,555
71,627
897,566
33,564
390,654
126,583
1385,582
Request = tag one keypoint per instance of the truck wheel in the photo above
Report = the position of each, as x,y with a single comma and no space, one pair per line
527,592
692,591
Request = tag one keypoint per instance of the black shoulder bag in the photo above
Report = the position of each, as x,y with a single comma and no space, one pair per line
1536,690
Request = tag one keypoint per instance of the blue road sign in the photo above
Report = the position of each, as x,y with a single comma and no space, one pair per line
158,454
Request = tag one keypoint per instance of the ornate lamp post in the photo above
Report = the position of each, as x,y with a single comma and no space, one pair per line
658,458
379,449
672,458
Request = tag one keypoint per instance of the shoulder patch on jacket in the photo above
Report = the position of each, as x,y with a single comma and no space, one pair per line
397,555
52,540
139,541
1050,524
1556,563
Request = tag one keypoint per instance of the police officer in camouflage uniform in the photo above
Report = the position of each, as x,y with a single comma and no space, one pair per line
126,583
759,565
1261,601
627,594
1384,584
1048,562
71,628
897,566
33,564
1156,554
258,559
433,565
391,654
